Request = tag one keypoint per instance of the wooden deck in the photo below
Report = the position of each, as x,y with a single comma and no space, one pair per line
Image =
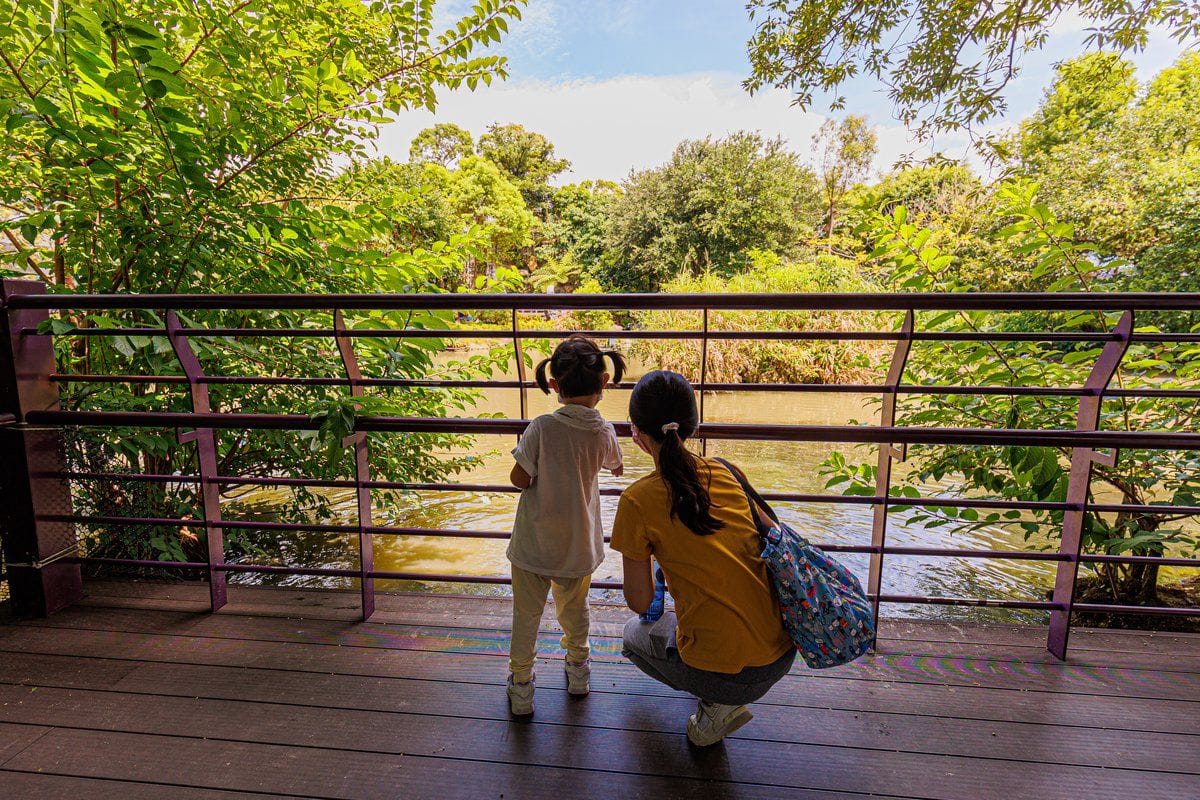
139,693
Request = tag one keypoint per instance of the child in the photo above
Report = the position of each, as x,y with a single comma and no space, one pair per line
557,542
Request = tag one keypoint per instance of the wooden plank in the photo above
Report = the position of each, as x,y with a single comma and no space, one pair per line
317,655
982,704
15,738
39,786
810,691
324,773
604,635
304,716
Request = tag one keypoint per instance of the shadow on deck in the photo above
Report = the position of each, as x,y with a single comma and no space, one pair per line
138,692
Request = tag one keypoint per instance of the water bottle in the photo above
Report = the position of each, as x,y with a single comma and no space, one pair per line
658,604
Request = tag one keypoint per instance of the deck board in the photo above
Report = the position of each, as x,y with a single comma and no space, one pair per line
136,693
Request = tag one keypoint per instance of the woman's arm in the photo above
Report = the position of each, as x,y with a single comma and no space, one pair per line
639,585
520,478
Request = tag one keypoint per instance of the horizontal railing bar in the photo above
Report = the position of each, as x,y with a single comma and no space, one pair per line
634,333
1015,555
1105,608
499,579
880,301
1162,561
832,388
729,431
932,502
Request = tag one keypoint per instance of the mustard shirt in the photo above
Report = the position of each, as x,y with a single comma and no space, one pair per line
727,616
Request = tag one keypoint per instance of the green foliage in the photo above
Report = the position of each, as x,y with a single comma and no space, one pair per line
706,209
160,145
767,361
1052,255
527,158
480,192
578,223
946,63
1120,163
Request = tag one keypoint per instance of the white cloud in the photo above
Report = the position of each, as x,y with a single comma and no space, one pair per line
607,127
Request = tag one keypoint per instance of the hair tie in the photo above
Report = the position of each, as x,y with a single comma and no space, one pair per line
670,426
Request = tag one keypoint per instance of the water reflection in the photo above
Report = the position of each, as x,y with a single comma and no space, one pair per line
777,466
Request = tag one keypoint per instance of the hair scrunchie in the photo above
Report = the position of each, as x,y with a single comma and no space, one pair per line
670,426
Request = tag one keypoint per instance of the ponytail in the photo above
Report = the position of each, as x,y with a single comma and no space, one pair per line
690,500
663,407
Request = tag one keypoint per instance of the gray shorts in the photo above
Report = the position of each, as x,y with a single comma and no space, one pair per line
651,646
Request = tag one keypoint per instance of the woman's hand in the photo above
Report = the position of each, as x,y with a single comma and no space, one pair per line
639,584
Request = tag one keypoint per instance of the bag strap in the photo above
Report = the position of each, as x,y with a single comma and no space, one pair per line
752,496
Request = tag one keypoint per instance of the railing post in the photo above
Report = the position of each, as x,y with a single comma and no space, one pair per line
1079,481
883,470
519,351
703,377
40,581
206,461
362,471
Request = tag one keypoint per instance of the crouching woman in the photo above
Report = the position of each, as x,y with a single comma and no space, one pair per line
725,643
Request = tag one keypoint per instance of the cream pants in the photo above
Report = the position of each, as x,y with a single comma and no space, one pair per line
529,601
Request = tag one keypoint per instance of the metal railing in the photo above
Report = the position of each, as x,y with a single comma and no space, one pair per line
35,408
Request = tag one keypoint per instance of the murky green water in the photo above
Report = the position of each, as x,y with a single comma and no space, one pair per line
776,466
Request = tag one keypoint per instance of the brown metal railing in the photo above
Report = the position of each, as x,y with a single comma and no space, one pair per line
33,403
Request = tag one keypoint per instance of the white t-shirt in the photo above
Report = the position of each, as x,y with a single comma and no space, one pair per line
557,532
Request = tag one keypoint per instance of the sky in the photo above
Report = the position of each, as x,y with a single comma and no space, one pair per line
617,84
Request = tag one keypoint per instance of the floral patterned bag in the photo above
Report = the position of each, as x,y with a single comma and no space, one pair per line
824,608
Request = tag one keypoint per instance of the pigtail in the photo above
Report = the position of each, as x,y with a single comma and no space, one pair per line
618,362
540,376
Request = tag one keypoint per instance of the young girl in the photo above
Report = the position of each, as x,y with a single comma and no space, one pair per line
557,541
725,643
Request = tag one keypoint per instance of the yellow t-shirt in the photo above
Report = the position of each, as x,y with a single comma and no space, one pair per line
727,616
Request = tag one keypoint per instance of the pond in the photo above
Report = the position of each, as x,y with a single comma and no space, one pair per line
773,466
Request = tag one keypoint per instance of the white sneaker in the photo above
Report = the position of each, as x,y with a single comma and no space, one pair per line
712,722
578,676
520,697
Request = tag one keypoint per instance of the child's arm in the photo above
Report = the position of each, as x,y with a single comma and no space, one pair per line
520,478
525,471
613,462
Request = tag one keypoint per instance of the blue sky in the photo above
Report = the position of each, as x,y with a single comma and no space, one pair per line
616,84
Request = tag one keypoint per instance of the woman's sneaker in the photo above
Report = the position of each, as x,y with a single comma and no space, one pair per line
578,677
520,697
712,722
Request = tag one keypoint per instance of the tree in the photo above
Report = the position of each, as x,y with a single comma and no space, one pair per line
483,196
153,145
707,208
444,143
1120,163
845,151
161,146
946,63
1049,246
579,223
527,158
